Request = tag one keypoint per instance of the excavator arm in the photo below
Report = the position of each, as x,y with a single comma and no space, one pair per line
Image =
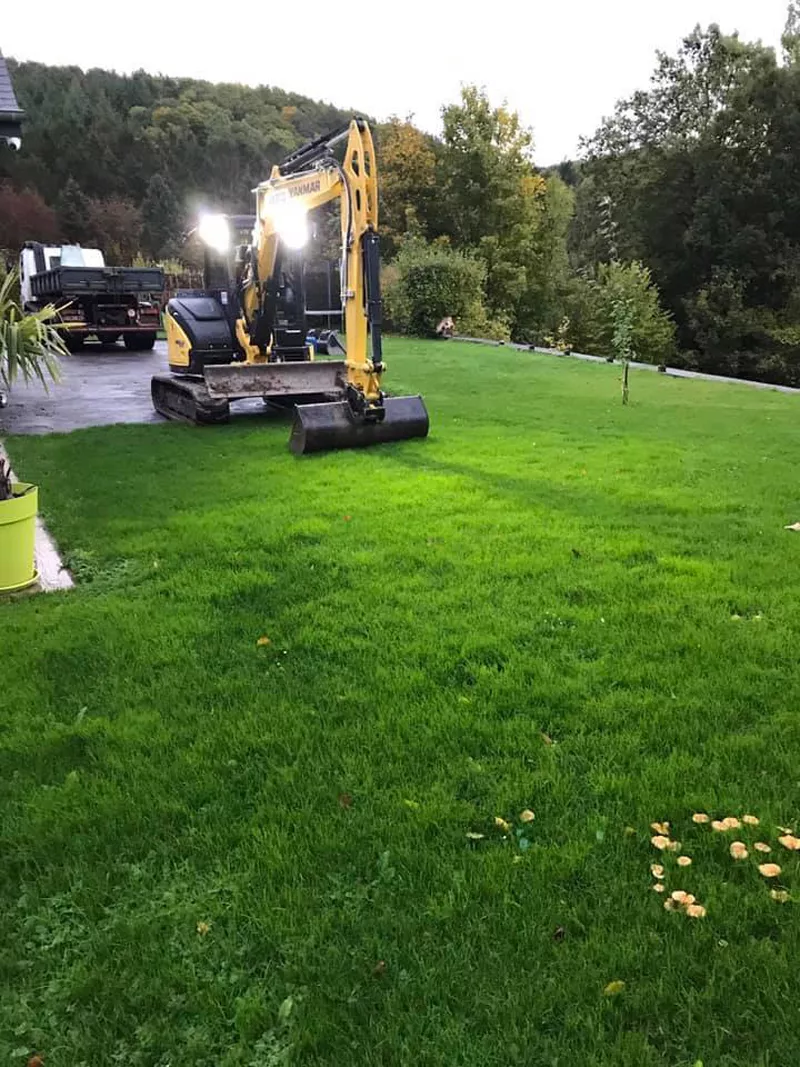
306,180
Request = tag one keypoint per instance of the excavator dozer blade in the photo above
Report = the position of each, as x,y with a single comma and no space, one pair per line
320,427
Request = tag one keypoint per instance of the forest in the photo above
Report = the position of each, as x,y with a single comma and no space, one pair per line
674,238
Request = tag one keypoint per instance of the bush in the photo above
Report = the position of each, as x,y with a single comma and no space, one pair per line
619,295
427,282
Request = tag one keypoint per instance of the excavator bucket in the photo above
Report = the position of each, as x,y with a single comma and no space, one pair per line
321,427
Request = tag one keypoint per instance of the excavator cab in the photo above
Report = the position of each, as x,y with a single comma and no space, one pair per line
245,333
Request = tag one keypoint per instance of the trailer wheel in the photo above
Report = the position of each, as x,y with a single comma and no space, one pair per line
140,342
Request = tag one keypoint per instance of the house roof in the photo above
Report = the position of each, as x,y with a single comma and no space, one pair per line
8,101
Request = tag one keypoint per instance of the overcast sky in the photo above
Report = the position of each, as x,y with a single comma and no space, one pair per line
561,63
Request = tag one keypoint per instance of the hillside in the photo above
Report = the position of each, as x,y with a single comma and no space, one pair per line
161,144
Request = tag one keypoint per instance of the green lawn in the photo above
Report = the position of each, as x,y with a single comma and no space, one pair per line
553,603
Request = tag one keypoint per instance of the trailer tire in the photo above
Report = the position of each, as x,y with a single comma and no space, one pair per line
140,342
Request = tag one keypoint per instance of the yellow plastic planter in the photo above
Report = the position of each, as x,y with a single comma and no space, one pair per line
17,538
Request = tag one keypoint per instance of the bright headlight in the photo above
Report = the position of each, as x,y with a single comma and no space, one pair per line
215,232
291,224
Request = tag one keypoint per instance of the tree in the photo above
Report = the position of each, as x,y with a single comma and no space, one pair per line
24,216
615,311
697,176
161,217
408,183
791,34
115,226
73,213
496,204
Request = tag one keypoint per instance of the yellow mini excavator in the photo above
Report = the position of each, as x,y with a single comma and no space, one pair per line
244,334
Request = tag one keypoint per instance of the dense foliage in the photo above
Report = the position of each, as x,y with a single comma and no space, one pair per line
698,176
126,160
425,283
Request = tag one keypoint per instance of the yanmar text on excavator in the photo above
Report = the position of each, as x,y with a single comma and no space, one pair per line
244,335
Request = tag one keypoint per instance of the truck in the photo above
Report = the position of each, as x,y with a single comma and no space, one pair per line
93,300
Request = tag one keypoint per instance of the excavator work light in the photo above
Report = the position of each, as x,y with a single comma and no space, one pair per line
215,232
291,224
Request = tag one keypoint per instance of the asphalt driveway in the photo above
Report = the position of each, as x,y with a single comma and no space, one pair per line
98,386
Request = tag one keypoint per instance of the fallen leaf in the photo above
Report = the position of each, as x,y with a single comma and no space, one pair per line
785,830
780,895
379,968
660,842
656,870
346,518
345,800
630,831
700,817
670,905
35,1061
658,887
795,526
413,804
613,989
696,911
718,825
547,739
527,815
790,841
731,822
203,928
679,896
262,641
286,1008
472,836
684,861
762,846
559,933
660,827
738,850
501,824
769,870
751,820
673,846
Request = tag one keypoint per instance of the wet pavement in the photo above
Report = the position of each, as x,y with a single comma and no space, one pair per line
98,386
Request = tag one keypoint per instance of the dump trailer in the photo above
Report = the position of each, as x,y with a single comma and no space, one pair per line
245,335
93,300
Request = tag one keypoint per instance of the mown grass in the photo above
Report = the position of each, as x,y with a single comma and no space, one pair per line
554,602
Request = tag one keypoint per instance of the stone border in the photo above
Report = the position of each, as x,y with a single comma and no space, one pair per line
670,372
